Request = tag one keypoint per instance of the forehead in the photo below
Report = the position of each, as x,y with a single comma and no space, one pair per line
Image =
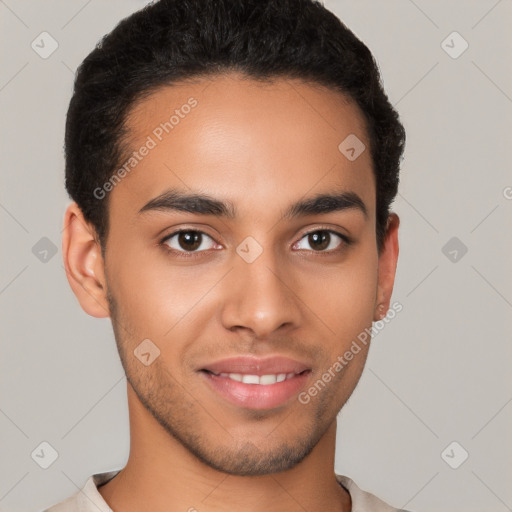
244,141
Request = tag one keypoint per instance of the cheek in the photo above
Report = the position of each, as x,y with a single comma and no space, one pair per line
158,298
344,297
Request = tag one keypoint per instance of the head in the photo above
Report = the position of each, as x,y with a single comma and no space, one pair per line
239,114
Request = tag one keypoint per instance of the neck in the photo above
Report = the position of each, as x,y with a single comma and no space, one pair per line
162,475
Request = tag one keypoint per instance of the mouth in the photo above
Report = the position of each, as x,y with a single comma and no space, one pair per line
258,384
263,380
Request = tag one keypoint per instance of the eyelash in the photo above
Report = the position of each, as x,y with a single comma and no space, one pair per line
346,241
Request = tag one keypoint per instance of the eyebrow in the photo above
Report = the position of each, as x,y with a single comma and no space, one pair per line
202,204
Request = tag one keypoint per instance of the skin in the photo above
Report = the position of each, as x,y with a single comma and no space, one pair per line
263,147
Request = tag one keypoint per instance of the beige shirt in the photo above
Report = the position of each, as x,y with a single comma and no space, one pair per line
88,499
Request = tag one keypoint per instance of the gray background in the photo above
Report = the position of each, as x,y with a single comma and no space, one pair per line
438,373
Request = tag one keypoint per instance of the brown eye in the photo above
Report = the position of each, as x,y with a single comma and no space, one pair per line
319,240
322,240
187,241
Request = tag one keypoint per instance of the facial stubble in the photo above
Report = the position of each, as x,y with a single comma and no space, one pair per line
198,427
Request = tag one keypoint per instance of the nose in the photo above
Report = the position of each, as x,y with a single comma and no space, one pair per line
260,297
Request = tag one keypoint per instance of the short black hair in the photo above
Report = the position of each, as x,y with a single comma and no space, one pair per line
169,41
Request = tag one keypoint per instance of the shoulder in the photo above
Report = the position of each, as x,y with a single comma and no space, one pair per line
363,501
88,498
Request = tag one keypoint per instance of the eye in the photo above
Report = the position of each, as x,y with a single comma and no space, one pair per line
322,240
188,241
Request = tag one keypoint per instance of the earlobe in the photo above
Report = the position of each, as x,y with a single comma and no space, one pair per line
381,311
84,263
387,267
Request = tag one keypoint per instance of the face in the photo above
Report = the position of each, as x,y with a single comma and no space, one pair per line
244,302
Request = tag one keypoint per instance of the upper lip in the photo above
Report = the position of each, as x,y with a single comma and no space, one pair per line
256,366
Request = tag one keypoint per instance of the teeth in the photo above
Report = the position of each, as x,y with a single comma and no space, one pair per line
264,380
250,379
268,379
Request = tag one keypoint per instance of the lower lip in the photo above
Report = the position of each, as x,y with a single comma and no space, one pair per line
256,396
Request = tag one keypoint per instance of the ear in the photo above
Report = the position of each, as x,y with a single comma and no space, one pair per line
84,263
387,267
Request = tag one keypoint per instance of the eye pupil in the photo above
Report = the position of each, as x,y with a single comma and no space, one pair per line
319,239
189,240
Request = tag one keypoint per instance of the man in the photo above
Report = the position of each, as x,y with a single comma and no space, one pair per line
232,165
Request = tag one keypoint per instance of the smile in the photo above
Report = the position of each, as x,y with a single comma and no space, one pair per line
264,380
252,382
